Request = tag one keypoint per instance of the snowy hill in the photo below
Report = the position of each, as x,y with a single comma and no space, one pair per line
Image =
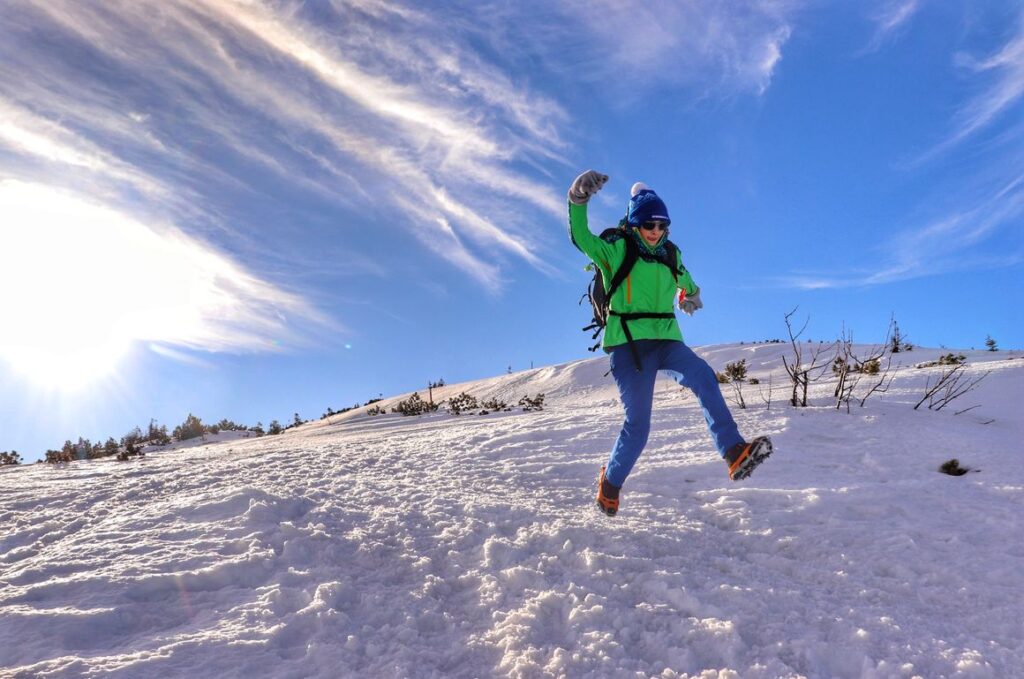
442,546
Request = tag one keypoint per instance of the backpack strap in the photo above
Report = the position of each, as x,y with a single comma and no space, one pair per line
632,253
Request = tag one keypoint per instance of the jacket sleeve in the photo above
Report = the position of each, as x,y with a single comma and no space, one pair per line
685,281
598,250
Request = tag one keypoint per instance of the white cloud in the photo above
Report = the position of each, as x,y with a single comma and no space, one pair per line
953,242
727,47
889,20
371,98
1001,90
382,108
1006,68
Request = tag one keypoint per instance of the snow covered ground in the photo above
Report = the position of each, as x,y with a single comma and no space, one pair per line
441,546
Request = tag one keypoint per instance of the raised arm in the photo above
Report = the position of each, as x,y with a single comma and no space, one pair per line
582,188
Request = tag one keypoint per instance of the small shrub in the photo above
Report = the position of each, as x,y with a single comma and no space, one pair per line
414,405
953,468
722,379
463,403
532,404
157,434
130,452
754,380
9,458
947,359
736,371
59,456
991,343
871,367
191,428
274,428
374,411
493,405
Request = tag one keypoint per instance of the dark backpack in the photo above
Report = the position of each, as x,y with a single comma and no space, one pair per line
600,298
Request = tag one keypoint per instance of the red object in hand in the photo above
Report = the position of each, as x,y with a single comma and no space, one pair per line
682,296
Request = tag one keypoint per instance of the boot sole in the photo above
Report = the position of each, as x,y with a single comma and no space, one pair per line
760,449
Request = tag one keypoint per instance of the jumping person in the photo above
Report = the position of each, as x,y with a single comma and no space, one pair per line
642,334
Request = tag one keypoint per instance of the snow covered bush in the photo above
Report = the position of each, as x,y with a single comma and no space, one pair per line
493,405
532,404
414,405
871,367
463,403
9,458
945,359
373,411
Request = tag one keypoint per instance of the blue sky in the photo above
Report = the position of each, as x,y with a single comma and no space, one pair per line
252,209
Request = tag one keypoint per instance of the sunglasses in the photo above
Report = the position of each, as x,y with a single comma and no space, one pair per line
654,226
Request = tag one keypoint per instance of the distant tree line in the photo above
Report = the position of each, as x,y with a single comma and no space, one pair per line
132,444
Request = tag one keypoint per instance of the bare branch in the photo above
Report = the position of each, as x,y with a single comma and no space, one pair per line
768,401
952,385
961,412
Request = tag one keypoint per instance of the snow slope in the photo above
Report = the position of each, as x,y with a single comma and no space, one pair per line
443,546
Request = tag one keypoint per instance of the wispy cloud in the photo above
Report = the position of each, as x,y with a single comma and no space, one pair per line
951,243
387,101
726,47
966,226
889,20
1000,90
350,102
1006,88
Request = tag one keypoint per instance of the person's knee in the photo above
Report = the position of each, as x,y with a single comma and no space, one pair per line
637,426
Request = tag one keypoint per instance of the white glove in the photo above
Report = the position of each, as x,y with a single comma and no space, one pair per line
691,303
586,185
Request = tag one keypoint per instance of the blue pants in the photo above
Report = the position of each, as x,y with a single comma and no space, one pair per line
636,389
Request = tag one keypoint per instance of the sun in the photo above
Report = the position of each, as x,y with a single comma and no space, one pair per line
63,289
81,283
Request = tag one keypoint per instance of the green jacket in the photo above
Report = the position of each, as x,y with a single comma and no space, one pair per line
650,286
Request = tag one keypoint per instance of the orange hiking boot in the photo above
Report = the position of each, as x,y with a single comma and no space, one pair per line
743,458
607,496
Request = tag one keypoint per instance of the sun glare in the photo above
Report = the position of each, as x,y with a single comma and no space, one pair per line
81,282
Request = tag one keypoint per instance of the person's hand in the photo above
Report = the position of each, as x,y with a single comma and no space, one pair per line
585,186
690,303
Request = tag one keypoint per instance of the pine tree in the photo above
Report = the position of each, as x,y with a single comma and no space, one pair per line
991,343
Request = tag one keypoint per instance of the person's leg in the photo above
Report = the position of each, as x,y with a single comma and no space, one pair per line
693,372
636,390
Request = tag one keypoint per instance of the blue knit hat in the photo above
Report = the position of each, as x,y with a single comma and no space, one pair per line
644,206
